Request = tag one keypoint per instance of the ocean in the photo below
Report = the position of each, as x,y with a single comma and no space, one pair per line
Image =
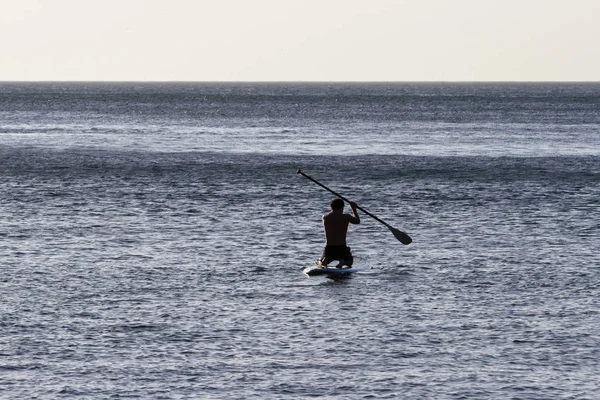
153,236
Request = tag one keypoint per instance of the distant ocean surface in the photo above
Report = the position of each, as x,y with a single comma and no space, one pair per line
153,236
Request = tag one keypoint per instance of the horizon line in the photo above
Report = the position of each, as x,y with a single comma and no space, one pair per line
295,81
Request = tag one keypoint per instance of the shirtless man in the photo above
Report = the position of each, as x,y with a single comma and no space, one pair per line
336,227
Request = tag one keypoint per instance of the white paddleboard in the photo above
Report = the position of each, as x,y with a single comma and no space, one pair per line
332,272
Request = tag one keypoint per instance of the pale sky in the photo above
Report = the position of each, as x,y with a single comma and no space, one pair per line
300,40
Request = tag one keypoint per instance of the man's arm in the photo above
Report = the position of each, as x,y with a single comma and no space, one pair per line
354,218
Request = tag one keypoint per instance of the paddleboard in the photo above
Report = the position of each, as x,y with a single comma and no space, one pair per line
332,272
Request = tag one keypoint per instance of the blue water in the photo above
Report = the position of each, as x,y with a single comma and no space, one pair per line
153,236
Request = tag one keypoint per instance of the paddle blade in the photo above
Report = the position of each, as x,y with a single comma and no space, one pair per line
401,236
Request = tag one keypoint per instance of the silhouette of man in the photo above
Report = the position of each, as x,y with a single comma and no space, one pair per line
336,227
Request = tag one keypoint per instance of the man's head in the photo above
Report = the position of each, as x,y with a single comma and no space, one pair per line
337,204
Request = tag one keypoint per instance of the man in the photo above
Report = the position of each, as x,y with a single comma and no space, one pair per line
336,227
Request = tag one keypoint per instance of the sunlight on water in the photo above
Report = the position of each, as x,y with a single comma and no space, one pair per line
407,139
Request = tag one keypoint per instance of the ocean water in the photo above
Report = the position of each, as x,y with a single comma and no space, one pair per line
153,236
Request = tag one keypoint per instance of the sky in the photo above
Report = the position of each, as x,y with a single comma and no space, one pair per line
299,40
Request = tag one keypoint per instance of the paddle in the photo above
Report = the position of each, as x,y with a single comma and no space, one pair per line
398,234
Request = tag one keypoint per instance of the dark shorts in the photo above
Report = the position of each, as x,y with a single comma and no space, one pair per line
336,253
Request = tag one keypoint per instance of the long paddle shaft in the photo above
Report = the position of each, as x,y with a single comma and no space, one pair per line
401,236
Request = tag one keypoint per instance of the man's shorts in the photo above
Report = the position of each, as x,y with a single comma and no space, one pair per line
336,253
